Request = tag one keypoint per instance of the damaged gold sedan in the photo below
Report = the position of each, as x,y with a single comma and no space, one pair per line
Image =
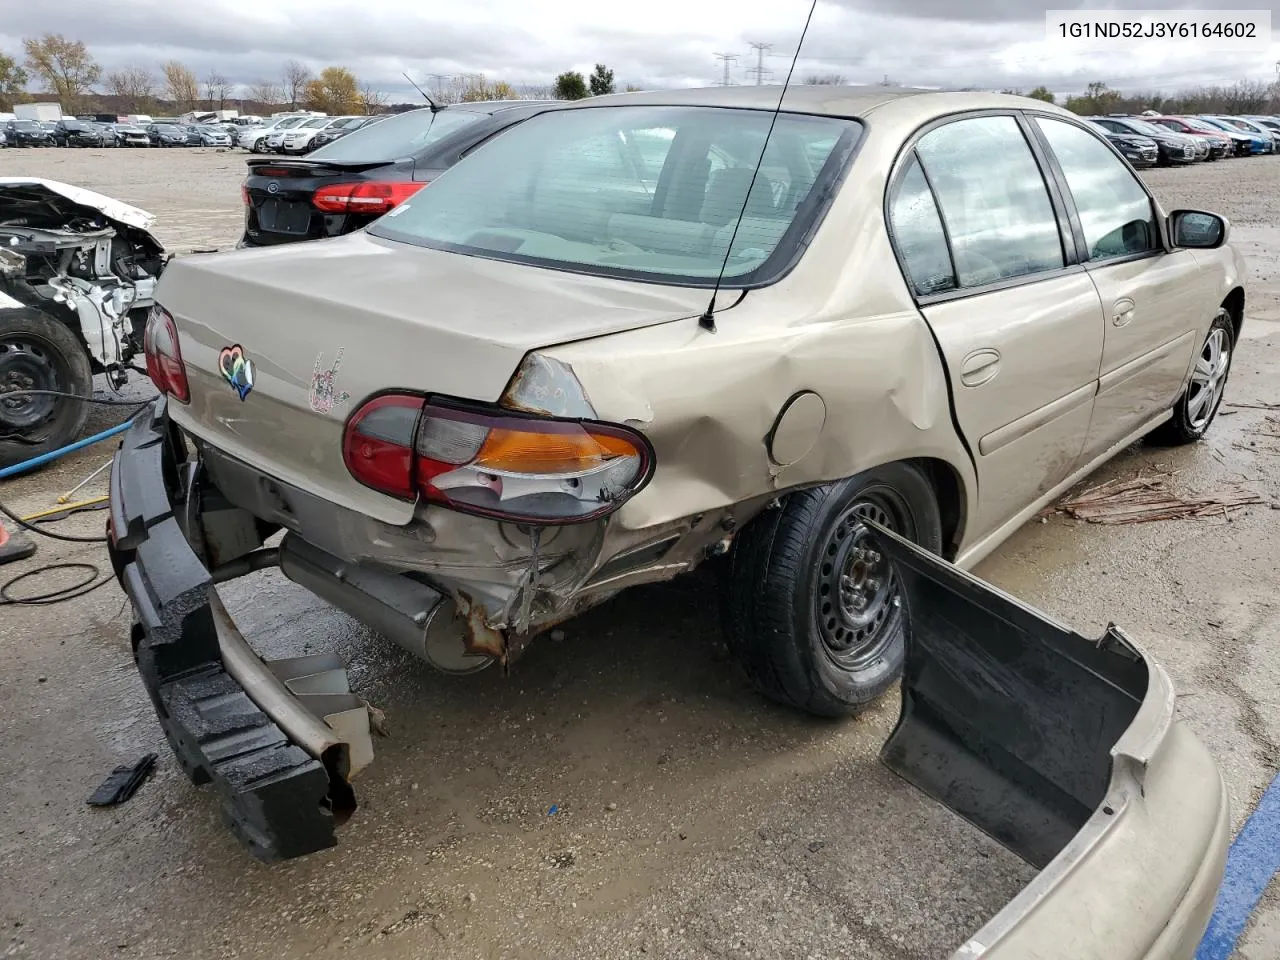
848,347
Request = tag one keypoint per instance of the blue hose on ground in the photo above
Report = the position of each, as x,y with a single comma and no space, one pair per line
44,458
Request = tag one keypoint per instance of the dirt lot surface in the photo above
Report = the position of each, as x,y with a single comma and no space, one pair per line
693,820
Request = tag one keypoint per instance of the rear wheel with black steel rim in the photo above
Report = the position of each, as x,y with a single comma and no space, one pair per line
812,607
39,353
1194,411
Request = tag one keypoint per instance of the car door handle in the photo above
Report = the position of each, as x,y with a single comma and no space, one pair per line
979,367
1122,312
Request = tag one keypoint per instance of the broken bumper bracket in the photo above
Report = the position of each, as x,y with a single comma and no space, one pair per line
278,799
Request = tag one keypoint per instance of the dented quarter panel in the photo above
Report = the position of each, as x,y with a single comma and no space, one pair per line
708,400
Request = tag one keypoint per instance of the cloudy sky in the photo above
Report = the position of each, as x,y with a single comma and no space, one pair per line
986,43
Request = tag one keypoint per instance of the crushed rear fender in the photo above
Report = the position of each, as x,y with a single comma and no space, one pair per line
1065,750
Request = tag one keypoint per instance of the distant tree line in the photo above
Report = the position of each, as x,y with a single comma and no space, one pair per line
1242,97
66,69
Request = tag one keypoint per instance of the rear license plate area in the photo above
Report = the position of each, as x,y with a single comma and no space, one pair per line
284,216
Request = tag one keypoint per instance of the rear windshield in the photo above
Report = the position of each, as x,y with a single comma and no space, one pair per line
652,193
397,137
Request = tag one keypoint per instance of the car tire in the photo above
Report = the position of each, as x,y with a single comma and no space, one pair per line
37,348
811,609
1197,406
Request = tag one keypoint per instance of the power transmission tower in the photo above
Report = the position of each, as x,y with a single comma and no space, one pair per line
728,59
760,71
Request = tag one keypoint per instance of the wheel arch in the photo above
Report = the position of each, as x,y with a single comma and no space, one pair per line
953,506
1234,302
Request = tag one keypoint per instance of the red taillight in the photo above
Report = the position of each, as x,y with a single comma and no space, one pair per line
367,197
164,358
377,445
244,192
487,462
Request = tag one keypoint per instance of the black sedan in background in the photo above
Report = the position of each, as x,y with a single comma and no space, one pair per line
348,184
1139,151
78,133
340,128
1172,147
171,135
26,133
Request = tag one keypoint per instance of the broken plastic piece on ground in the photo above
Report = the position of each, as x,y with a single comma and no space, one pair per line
14,545
123,783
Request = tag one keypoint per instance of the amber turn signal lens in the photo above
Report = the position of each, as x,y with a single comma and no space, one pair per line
520,451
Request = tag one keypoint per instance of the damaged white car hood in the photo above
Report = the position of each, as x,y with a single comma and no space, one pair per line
108,207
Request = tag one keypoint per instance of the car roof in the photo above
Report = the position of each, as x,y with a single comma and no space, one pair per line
906,105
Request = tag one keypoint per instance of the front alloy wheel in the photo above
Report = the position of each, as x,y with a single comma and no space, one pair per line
1195,409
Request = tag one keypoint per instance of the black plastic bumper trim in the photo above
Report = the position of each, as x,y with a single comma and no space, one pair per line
273,792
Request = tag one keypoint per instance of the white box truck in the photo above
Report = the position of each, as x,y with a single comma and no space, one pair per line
41,112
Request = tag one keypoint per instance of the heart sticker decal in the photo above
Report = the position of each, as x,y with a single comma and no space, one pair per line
237,369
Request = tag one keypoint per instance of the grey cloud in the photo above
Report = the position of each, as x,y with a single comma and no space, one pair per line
1028,11
911,41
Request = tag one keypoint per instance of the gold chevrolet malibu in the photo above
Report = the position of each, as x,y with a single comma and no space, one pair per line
846,344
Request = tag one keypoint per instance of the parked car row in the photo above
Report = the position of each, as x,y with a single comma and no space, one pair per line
91,133
301,133
1153,138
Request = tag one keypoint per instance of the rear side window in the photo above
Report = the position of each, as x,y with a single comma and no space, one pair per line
1116,214
918,234
993,199
398,137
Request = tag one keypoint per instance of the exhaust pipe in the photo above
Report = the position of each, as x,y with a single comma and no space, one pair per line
416,616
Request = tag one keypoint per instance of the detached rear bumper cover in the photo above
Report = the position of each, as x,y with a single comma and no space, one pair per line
279,799
1066,750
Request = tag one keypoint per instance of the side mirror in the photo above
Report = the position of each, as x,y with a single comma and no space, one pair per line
1192,228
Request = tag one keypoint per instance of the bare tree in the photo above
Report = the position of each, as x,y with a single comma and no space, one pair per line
135,86
217,89
181,84
267,93
296,77
372,100
824,80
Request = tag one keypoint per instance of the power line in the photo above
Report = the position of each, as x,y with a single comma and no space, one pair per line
760,71
727,58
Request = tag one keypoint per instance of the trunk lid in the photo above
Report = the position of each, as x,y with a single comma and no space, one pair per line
279,193
377,315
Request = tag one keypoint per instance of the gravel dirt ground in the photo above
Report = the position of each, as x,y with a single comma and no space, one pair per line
693,819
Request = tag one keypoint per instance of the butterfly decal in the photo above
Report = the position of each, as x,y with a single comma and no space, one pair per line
237,369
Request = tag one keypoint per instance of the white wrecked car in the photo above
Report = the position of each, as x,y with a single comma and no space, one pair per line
77,270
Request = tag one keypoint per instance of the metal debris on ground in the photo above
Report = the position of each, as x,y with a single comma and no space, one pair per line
1146,498
123,783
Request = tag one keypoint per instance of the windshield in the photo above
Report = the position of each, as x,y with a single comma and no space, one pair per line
1141,126
1218,125
647,192
397,137
26,125
74,125
318,122
1200,125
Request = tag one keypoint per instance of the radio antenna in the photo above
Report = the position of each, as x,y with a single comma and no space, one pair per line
435,107
708,320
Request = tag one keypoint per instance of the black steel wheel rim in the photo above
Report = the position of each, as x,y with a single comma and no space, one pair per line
857,602
28,364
